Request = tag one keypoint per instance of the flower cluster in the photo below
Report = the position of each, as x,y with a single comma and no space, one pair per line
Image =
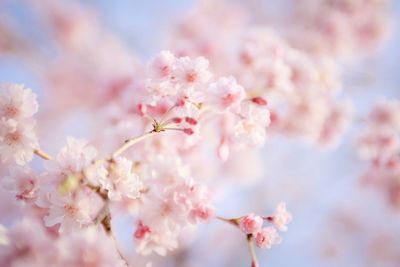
79,190
28,244
301,86
264,237
17,136
165,136
172,203
380,146
186,89
340,27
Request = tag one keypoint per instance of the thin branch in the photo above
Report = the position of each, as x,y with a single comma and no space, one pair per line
250,243
117,249
234,222
42,154
130,142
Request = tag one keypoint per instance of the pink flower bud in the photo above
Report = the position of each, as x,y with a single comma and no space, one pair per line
251,223
181,102
259,101
188,131
191,121
176,120
141,109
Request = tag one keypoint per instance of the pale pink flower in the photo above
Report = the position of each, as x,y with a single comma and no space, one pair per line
120,182
251,128
162,66
385,115
22,183
161,212
70,211
192,72
17,102
159,242
281,217
378,144
17,141
251,223
28,245
267,237
201,212
88,247
71,160
339,118
226,93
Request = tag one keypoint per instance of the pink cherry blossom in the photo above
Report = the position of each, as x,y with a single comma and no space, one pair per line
192,72
251,223
226,93
71,210
17,102
22,183
162,66
385,115
71,160
88,247
281,217
17,141
28,245
251,128
267,237
120,181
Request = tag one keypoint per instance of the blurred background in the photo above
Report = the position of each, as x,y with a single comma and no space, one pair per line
338,221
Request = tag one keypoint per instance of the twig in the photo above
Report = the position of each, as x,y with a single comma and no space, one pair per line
42,154
250,243
130,142
234,222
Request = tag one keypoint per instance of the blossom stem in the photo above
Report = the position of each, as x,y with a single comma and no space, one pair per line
130,142
102,215
117,249
42,154
250,243
234,222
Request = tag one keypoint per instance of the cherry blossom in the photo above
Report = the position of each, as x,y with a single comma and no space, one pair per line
23,183
251,128
251,223
227,93
121,181
281,217
88,247
28,245
70,210
17,141
267,237
17,102
70,161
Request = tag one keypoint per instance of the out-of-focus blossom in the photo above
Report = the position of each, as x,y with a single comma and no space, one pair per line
88,247
17,141
17,102
23,183
267,237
